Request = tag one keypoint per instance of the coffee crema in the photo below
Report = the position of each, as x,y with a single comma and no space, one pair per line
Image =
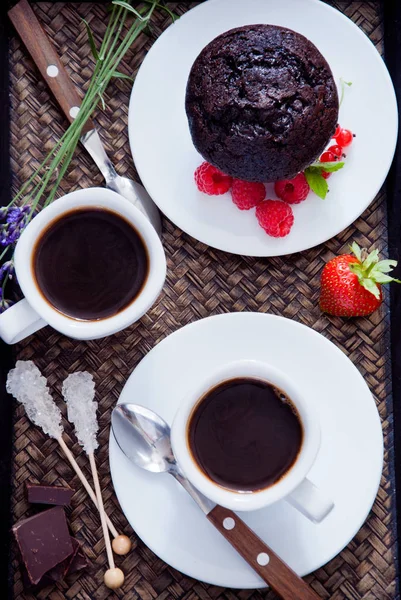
90,263
245,434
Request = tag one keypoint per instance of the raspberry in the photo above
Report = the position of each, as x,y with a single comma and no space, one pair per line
275,217
211,181
293,190
247,194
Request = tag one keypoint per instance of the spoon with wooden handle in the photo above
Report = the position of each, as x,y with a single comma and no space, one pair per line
52,69
144,438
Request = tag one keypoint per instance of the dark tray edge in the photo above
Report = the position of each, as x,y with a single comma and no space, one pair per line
392,47
392,43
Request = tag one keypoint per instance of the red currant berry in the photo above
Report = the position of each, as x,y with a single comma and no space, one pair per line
344,138
337,131
325,175
328,157
336,150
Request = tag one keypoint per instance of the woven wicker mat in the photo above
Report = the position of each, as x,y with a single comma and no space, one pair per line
201,281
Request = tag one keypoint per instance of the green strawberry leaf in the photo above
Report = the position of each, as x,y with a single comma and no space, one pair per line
358,269
385,266
329,167
316,181
371,286
371,272
371,260
356,250
382,278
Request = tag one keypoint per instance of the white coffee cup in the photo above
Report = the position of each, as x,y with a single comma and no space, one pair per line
34,311
293,485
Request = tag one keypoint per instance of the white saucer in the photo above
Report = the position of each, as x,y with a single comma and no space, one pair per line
166,158
348,466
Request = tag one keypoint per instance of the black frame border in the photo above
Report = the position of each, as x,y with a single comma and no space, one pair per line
392,44
6,354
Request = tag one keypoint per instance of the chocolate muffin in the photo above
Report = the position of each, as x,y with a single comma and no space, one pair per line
261,102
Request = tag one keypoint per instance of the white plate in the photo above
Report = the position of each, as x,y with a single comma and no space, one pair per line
166,158
348,466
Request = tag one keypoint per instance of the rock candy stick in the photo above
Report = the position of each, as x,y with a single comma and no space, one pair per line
28,386
79,394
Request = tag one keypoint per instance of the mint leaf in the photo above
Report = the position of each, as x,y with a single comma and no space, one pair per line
317,182
329,167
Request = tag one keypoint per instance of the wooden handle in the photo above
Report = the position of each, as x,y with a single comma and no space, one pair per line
283,580
46,59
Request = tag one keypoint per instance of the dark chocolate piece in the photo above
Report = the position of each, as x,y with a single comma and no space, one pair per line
73,563
44,582
49,494
78,562
44,542
60,571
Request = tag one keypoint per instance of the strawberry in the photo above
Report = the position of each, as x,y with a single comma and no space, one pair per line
351,283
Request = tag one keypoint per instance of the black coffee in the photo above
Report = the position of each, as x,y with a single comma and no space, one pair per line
245,434
90,263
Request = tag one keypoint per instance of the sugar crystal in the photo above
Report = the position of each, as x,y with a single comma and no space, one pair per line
26,383
79,394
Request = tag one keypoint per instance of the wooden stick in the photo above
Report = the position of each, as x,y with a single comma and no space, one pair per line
85,483
101,511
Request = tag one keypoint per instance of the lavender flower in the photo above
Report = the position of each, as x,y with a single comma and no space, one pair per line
6,270
16,214
4,304
16,219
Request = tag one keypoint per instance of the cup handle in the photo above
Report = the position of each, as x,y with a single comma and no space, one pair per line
310,501
19,321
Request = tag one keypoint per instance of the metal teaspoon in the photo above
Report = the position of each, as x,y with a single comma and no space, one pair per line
144,438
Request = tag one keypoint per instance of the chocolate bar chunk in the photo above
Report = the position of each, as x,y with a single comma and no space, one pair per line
73,563
49,494
44,542
44,582
62,569
78,562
